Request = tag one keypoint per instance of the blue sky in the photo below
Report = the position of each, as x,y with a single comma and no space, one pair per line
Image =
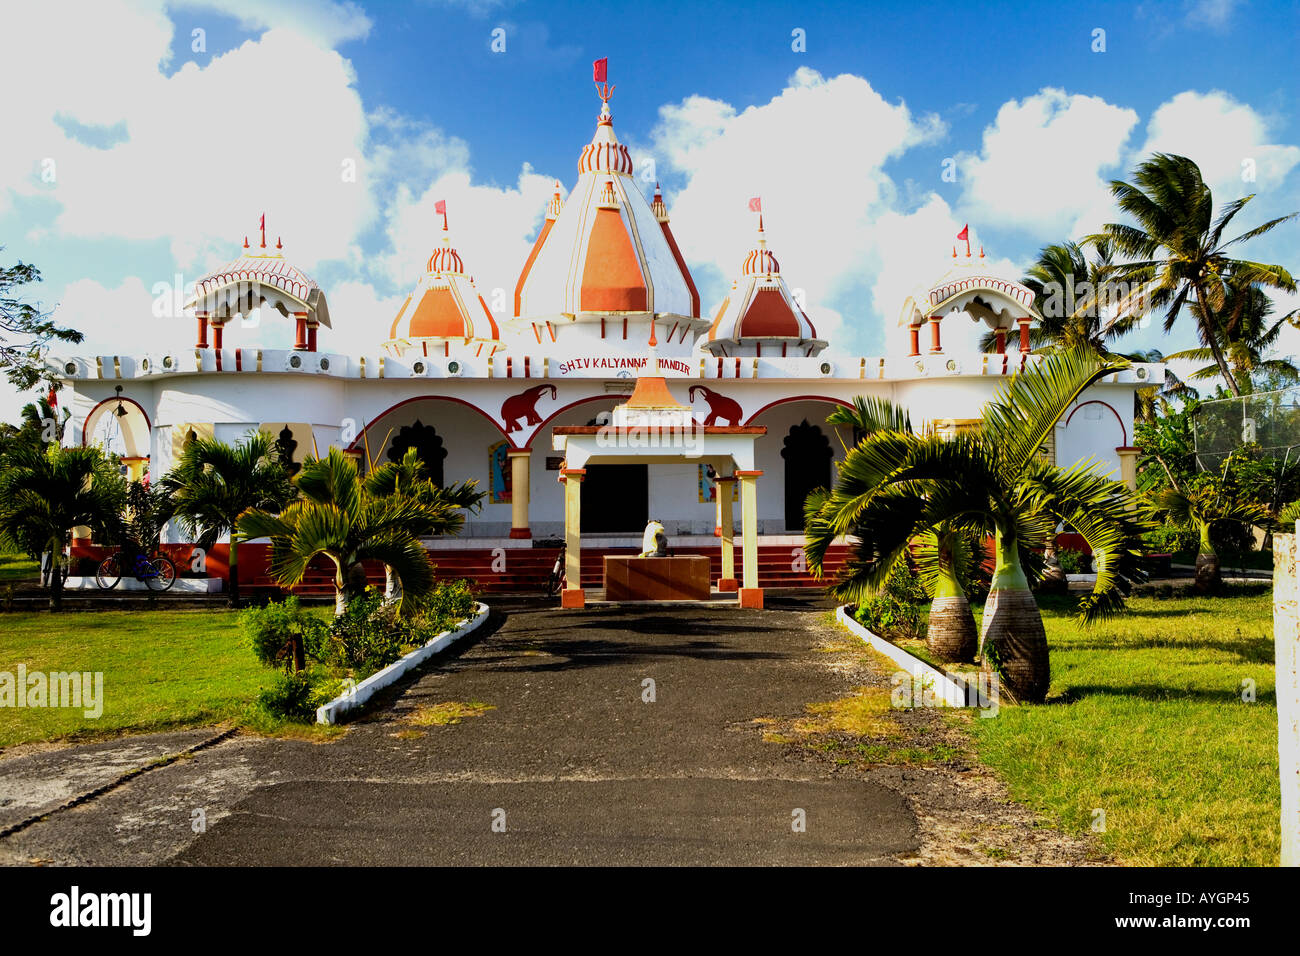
166,156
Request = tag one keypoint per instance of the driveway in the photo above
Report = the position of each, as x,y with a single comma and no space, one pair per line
623,736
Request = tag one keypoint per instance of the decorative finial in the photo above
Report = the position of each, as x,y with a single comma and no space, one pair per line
981,251
262,223
278,243
245,242
954,252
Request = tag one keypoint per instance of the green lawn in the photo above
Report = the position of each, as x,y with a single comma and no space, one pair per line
17,567
161,669
1146,722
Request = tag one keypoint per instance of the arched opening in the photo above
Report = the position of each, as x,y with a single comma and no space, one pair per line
807,453
427,444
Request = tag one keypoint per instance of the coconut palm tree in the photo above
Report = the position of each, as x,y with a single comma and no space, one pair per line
337,517
1197,509
1078,298
214,483
1177,249
894,485
1246,336
45,492
411,478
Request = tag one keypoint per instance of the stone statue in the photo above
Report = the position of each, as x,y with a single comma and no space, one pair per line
654,543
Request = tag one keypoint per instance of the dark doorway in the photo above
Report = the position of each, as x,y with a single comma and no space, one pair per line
615,499
427,444
807,455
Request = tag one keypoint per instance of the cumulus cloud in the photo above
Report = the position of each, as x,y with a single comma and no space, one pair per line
815,154
1232,143
1045,163
190,162
325,22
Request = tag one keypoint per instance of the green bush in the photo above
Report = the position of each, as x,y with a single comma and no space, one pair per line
275,630
1170,540
369,635
1074,562
895,612
296,695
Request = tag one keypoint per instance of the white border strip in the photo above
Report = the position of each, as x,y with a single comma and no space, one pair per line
362,692
950,690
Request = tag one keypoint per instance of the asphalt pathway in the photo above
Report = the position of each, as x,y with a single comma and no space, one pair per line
621,736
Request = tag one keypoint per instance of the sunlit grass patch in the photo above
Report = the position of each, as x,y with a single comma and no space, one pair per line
1146,723
448,712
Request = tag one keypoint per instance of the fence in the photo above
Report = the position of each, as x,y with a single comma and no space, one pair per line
1286,639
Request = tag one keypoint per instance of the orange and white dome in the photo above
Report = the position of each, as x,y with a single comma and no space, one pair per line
604,250
760,316
445,308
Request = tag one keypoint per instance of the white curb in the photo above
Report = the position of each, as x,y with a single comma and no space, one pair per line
362,692
131,583
951,690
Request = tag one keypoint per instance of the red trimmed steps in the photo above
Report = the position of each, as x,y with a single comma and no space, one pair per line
526,569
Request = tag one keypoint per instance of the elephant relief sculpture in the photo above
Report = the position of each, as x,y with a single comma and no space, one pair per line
719,406
524,407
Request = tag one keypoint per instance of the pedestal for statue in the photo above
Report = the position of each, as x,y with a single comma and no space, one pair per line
679,578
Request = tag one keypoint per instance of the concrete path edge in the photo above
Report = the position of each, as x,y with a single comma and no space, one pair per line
947,688
363,691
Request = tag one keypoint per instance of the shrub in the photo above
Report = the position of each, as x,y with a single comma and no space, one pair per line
895,611
1074,562
295,695
369,635
276,631
1169,540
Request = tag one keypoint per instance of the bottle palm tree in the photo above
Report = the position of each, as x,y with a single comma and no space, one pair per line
337,517
45,492
1197,509
1177,248
893,485
944,555
214,483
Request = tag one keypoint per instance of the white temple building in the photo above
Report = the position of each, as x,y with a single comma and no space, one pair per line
480,394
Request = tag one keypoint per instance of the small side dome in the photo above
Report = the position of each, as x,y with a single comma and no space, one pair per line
760,316
444,308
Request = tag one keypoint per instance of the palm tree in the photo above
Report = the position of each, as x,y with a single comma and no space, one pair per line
944,555
894,485
336,517
214,483
1177,250
1074,295
411,478
1246,337
1197,509
44,492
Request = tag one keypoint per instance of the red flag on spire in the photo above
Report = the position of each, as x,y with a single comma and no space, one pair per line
599,69
440,209
756,204
965,236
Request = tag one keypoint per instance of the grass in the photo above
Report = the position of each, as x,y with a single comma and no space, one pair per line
17,567
162,669
1145,721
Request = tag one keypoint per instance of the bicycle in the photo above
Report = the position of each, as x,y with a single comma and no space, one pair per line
158,573
555,581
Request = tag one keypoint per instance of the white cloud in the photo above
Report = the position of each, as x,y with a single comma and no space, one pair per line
265,127
815,154
1041,164
1225,138
1214,14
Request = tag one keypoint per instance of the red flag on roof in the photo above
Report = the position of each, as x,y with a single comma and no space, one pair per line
965,232
756,204
440,207
599,69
